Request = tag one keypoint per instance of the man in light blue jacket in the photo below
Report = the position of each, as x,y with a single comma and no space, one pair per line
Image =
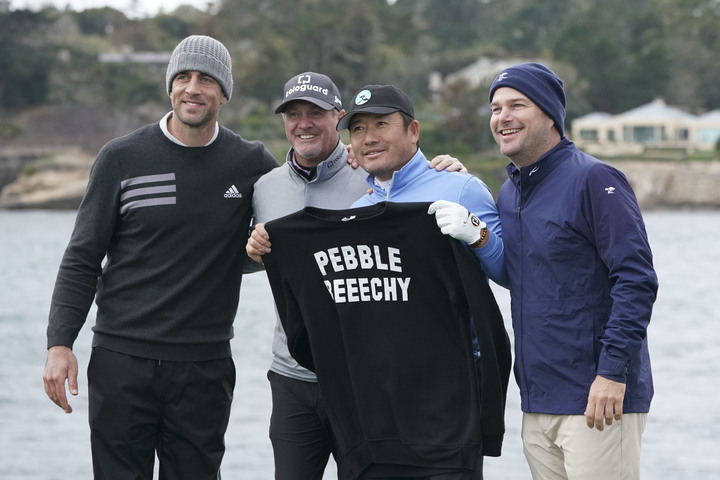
384,135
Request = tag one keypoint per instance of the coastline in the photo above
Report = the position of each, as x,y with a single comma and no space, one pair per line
56,180
673,185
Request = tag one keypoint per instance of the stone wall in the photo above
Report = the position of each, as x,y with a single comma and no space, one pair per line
59,183
673,185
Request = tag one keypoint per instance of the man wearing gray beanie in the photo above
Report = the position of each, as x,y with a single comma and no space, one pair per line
582,287
204,54
169,206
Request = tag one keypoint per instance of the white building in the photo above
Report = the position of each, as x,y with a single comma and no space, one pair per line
655,125
706,131
480,73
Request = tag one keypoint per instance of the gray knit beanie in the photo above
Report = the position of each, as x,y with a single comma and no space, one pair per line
203,54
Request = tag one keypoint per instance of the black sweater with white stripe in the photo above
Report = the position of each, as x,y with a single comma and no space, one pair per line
171,223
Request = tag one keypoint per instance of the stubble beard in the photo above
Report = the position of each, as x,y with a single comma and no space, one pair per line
309,154
193,122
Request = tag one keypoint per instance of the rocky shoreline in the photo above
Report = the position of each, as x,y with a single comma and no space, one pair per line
59,181
37,181
673,185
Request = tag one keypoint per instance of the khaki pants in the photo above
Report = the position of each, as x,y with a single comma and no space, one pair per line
562,447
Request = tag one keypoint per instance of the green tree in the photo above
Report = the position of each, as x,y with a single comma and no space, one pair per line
693,52
531,29
621,53
26,63
275,39
456,24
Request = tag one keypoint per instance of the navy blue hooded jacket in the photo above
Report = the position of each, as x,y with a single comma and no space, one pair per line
582,282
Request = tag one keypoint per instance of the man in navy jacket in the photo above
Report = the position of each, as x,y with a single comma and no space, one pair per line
582,286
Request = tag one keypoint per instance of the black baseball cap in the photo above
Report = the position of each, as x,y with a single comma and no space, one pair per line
314,88
379,99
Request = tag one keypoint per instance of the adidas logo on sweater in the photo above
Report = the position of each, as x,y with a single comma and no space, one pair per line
233,192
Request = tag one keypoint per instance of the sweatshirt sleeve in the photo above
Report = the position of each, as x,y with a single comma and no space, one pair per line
495,360
81,265
289,311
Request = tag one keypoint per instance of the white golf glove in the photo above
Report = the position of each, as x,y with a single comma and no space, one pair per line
454,220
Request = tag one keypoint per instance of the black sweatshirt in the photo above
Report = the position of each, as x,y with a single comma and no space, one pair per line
377,302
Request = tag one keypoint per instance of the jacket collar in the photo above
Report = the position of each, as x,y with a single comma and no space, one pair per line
537,171
411,170
328,167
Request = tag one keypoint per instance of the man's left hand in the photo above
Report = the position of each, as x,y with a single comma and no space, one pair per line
446,162
351,157
455,220
605,403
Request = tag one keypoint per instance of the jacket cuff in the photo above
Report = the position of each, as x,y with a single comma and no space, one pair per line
612,368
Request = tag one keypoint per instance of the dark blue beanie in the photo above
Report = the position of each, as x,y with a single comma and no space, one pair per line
540,85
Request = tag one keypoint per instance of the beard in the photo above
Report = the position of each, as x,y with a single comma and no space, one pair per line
194,121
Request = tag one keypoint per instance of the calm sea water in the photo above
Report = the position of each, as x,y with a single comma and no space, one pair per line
39,442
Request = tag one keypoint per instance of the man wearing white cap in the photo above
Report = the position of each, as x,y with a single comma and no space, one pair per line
168,206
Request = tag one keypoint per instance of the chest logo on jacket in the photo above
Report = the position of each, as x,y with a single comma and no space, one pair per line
363,273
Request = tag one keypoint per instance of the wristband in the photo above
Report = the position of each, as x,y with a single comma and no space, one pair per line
479,242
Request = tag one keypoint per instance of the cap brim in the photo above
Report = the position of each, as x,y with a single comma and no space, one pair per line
316,101
379,110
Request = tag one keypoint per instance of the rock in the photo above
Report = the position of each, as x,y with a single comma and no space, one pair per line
673,185
46,190
54,184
